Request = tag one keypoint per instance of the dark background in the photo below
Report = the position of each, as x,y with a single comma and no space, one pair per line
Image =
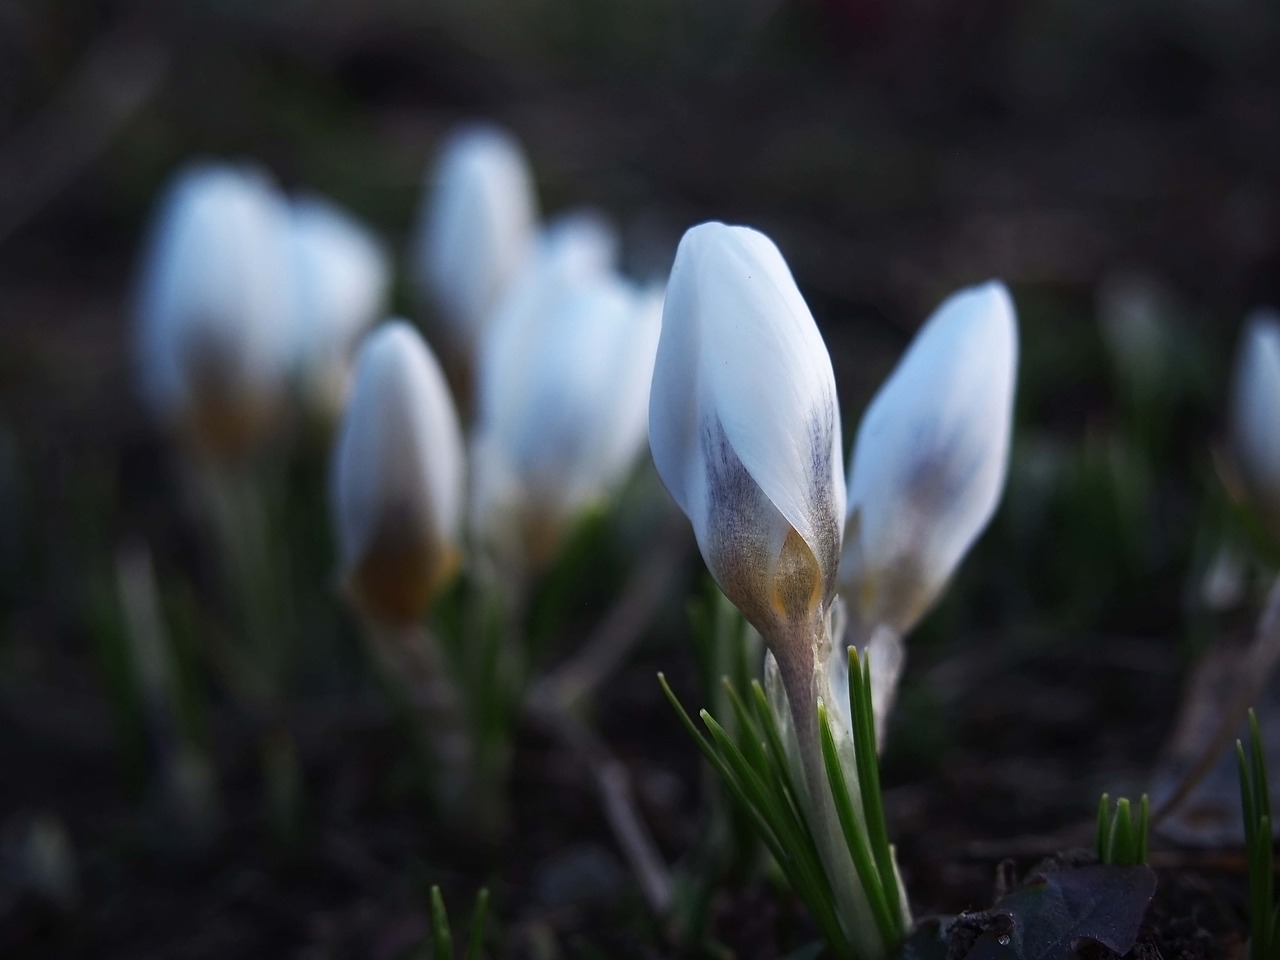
895,151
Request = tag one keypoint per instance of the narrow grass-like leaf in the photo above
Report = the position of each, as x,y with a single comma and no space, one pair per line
790,831
441,939
854,835
1121,848
864,733
478,919
795,843
777,824
751,741
777,751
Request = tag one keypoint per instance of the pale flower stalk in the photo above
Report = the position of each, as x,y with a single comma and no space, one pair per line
926,474
213,306
1255,414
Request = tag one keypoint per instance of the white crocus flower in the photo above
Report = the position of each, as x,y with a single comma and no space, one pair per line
563,394
477,227
341,275
927,471
213,307
745,434
1255,413
397,486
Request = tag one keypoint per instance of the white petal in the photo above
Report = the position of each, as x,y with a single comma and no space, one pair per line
476,228
931,457
341,275
563,384
1255,411
743,388
213,289
400,452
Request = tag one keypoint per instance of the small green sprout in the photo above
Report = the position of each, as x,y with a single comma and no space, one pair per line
755,767
441,940
1255,797
1122,839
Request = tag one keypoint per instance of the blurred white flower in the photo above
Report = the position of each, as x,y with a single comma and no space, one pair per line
1136,317
930,460
1255,413
213,307
397,486
563,393
476,229
341,275
745,433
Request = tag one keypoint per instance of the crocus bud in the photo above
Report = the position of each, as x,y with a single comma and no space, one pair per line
398,478
745,434
213,308
477,226
563,396
930,460
1255,413
341,275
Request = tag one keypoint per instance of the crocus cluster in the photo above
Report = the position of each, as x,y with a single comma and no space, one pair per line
552,347
745,433
245,295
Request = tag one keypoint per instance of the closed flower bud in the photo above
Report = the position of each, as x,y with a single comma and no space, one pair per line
213,308
476,229
745,433
930,460
398,478
341,275
563,395
1255,414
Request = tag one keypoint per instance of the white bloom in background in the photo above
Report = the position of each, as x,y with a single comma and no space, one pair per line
341,275
477,227
1255,413
213,307
930,460
1137,317
563,393
398,476
745,433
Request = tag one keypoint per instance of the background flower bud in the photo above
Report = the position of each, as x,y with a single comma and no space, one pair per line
477,227
341,275
1255,413
563,392
213,307
398,478
745,432
930,460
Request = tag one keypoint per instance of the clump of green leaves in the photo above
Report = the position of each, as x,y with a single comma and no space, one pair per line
729,850
440,946
1255,796
1122,836
754,766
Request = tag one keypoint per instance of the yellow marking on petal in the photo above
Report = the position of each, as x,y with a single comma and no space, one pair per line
398,580
796,590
